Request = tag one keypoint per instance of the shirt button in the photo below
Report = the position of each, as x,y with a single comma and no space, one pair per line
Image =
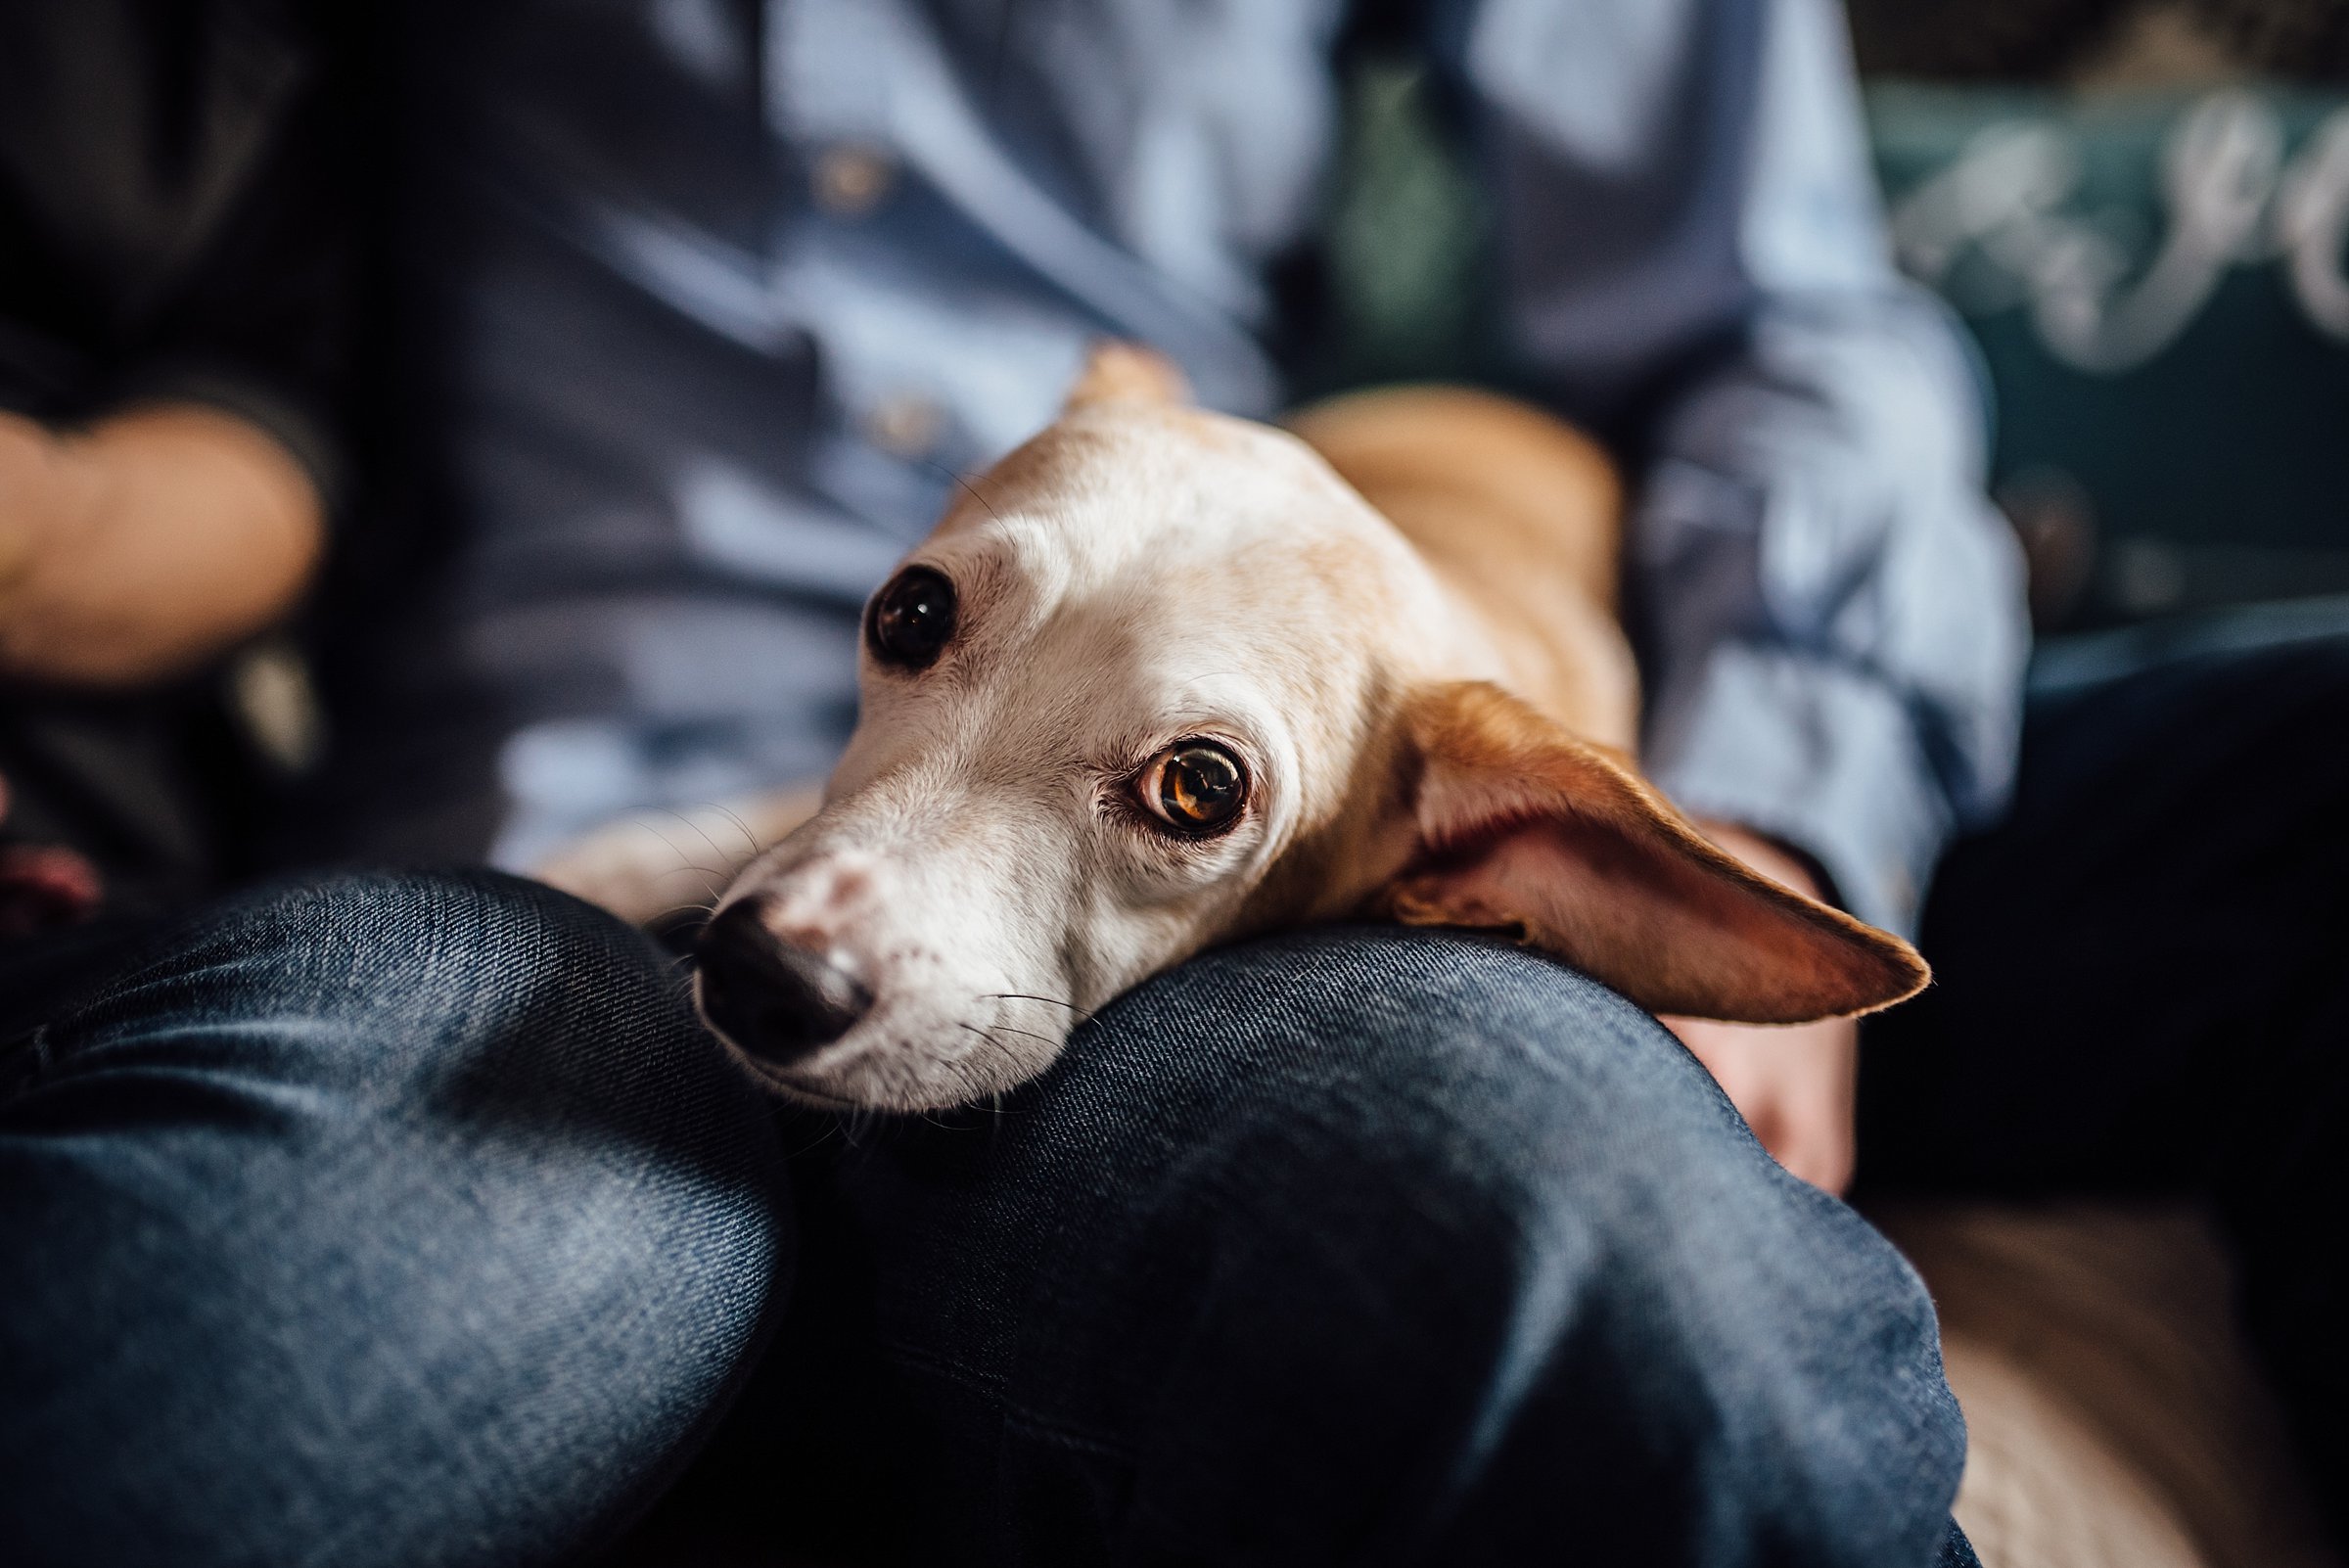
849,181
903,426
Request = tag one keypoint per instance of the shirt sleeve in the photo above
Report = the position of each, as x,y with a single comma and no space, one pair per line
1830,610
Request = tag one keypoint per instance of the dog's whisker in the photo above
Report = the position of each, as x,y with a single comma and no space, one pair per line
686,862
970,1083
682,858
969,489
713,886
1022,995
989,1032
695,869
638,821
963,1073
821,1138
714,848
740,826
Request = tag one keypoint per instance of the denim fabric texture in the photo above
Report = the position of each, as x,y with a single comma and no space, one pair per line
1348,1246
409,1219
395,1221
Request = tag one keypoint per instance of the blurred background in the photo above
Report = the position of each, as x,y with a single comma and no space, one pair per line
2138,207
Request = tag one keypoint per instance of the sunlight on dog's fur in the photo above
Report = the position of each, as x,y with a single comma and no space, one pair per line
1163,678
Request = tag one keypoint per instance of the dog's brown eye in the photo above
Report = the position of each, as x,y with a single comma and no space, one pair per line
912,619
1197,787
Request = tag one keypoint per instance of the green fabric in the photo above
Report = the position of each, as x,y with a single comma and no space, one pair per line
2210,470
1409,242
2216,465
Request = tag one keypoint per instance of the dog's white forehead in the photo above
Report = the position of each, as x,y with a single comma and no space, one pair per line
1106,483
1199,563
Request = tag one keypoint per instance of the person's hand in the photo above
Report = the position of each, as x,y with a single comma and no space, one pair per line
135,549
1795,1084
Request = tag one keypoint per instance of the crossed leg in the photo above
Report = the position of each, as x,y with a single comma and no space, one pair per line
1346,1246
385,1219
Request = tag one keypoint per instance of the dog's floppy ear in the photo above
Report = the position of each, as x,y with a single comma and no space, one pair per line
1118,372
1523,827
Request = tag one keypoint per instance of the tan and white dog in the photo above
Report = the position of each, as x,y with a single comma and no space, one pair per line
1163,678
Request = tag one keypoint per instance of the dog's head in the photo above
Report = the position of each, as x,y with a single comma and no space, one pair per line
1162,678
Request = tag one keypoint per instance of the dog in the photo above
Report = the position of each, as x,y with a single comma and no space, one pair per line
1162,679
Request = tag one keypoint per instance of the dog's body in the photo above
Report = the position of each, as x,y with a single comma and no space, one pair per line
1163,678
1520,519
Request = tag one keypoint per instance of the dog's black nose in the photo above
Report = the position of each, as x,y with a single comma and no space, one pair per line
777,1002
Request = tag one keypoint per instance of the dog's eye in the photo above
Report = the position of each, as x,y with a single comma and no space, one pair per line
1197,787
912,619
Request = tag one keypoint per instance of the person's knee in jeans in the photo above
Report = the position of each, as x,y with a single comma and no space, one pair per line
384,1218
1362,1242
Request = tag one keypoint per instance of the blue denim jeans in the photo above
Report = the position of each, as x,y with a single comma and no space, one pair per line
409,1219
2143,977
389,1219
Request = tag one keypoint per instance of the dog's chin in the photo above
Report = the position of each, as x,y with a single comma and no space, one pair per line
869,1071
780,1082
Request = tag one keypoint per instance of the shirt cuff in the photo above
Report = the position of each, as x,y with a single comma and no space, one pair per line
1814,755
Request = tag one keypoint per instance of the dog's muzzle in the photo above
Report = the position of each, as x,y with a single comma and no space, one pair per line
777,1002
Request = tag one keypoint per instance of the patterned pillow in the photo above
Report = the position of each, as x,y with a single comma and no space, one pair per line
2161,294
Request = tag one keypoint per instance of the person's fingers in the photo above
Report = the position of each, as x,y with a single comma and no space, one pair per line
1794,1087
1820,1154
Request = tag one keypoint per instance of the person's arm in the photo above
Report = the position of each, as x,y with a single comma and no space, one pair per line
1828,608
138,547
174,333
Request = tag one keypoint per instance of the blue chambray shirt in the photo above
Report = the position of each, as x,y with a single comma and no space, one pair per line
738,287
